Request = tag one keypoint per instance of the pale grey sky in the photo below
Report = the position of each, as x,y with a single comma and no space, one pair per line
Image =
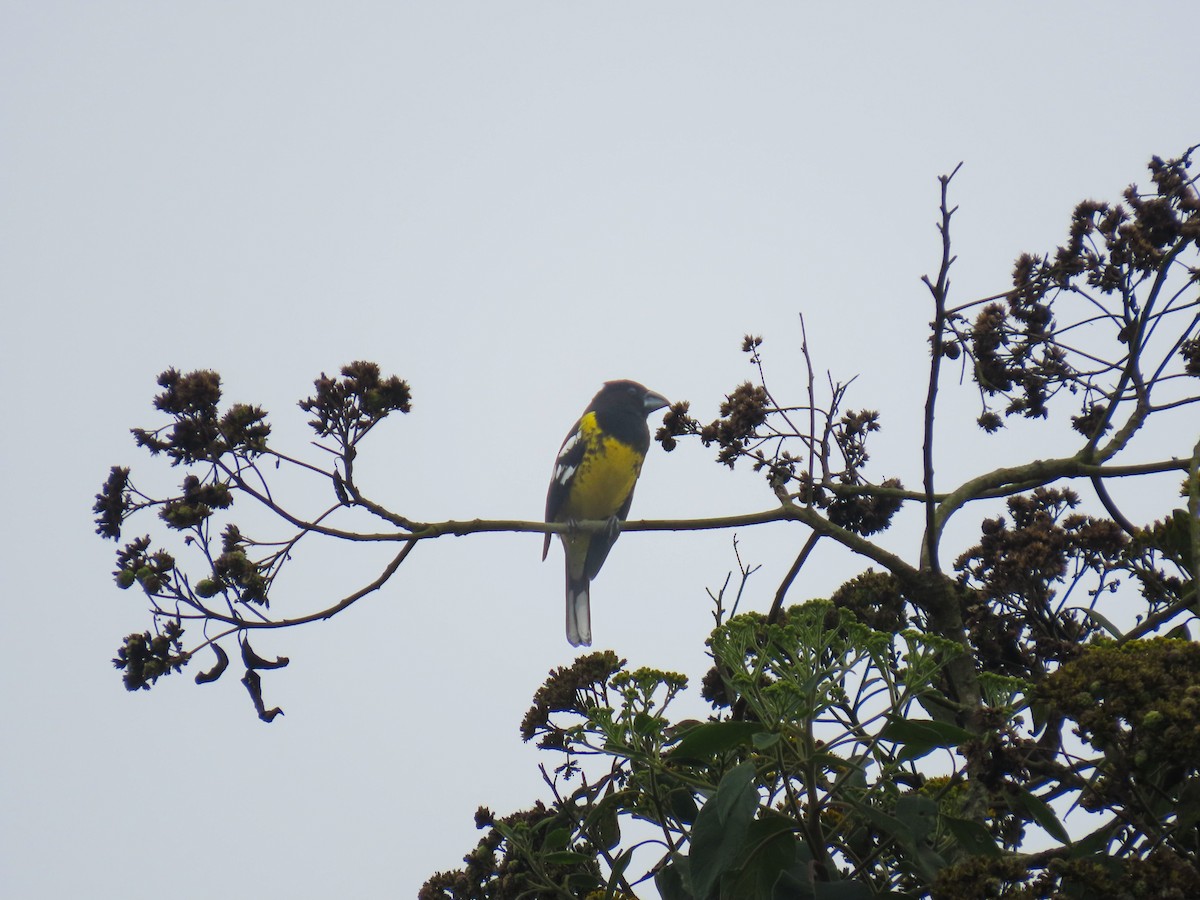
505,204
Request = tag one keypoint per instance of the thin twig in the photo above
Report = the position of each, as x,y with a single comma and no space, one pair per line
940,292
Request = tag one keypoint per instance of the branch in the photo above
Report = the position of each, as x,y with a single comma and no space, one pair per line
1111,507
1013,479
939,291
1153,622
1132,372
848,539
479,526
1194,515
327,613
801,558
812,408
306,525
997,483
959,310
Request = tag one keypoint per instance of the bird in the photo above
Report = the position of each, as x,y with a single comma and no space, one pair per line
594,476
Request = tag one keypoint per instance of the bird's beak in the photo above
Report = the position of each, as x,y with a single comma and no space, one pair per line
653,401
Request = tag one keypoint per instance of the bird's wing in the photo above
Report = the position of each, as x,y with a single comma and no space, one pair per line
570,455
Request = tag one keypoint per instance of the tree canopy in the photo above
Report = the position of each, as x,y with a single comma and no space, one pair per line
918,733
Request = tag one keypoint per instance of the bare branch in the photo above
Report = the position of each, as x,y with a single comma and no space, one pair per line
940,292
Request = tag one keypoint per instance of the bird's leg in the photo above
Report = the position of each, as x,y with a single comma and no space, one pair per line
612,528
572,528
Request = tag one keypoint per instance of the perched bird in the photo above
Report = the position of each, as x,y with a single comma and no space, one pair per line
594,476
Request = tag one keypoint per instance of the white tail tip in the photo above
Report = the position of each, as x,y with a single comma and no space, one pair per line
579,616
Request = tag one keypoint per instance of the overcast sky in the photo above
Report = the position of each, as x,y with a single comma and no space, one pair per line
506,204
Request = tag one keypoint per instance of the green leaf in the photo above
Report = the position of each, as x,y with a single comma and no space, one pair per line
912,821
1041,812
1095,843
796,881
1188,804
929,861
970,836
682,803
557,839
746,883
565,858
770,824
735,793
770,850
888,824
1178,536
921,736
620,864
646,724
606,833
844,890
721,828
919,815
1040,714
670,879
710,738
794,884
602,826
1104,623
765,740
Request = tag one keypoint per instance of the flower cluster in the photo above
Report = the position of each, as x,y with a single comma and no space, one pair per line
348,407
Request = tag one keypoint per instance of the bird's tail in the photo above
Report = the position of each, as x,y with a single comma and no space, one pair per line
579,612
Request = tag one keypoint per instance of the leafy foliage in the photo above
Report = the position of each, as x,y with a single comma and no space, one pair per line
906,737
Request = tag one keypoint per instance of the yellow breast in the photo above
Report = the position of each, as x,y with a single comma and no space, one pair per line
605,477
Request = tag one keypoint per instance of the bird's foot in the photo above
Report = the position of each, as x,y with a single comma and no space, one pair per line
612,528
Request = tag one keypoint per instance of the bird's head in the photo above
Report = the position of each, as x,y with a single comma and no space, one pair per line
630,394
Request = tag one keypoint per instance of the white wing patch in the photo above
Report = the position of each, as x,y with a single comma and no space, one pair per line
570,443
563,470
